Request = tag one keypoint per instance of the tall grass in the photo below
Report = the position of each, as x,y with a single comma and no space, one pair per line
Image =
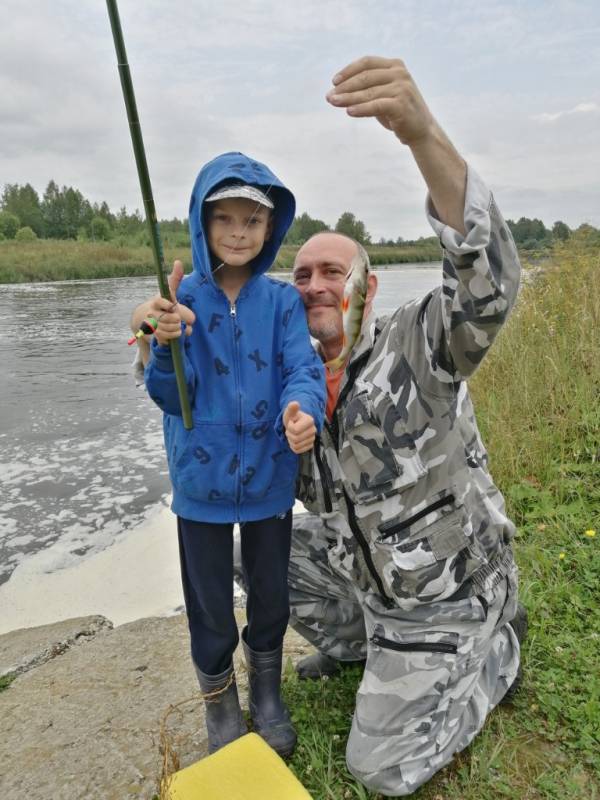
537,398
537,394
58,260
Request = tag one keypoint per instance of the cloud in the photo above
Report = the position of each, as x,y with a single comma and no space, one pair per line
581,108
252,75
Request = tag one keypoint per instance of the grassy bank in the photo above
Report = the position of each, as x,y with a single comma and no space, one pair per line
59,260
538,409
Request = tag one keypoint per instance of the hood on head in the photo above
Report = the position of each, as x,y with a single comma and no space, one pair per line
236,167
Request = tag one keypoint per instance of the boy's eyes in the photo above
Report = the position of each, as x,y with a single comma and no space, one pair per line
225,220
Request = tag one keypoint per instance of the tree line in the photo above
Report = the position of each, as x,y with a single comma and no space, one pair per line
64,213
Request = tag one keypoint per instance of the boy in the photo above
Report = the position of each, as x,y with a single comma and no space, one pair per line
251,373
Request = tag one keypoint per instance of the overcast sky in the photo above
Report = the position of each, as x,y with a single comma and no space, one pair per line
515,83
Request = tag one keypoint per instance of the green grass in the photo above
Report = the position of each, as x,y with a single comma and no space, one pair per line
538,409
5,681
58,260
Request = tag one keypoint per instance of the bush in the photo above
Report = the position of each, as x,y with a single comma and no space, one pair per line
100,230
9,224
26,234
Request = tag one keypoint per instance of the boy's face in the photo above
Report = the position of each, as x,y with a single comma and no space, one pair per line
237,229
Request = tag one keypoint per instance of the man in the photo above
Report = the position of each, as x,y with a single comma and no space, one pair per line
409,564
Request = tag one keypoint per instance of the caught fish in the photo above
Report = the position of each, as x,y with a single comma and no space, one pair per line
353,307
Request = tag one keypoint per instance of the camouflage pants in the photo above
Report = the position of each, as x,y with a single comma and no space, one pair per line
432,676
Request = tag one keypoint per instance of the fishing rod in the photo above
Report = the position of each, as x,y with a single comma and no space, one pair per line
146,187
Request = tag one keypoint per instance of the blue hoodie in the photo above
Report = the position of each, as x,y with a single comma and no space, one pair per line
243,364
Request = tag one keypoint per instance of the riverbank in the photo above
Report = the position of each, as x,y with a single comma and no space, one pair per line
59,260
537,405
94,708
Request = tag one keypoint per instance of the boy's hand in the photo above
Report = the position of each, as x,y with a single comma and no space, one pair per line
299,427
169,313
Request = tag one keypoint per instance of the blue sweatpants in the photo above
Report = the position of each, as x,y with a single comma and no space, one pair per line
206,556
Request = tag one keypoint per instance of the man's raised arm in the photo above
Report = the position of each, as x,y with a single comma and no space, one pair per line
480,266
383,88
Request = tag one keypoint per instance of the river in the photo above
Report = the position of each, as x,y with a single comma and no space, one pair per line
81,459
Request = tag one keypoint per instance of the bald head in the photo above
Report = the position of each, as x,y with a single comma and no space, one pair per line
320,271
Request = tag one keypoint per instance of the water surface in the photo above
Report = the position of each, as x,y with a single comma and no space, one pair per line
81,451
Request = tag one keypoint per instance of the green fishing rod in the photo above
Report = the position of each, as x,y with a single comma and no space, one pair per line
146,187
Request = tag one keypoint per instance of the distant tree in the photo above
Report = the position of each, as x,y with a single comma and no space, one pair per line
9,224
64,211
588,234
525,228
53,212
128,224
26,234
100,229
586,229
350,226
78,211
24,203
561,231
303,227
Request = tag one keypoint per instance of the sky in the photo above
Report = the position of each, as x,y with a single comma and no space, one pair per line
514,83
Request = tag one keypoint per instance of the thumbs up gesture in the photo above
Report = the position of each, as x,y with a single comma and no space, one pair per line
300,428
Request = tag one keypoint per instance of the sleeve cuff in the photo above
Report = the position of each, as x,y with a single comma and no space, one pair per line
161,355
478,200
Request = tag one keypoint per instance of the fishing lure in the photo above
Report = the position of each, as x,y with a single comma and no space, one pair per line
353,307
147,327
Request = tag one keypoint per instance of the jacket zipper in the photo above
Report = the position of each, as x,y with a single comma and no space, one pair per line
389,529
238,482
333,429
328,491
358,535
419,647
326,479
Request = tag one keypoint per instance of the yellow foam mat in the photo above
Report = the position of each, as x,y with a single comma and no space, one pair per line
246,769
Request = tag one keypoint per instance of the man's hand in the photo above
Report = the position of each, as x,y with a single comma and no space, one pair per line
299,428
383,88
169,317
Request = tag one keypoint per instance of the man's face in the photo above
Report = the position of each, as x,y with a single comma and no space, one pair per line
237,229
319,274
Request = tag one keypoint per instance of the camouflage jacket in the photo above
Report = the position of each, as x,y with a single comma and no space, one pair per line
402,460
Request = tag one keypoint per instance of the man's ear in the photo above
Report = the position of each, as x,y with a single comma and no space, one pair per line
371,291
371,287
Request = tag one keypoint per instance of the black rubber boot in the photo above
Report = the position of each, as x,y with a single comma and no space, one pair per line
319,665
270,717
224,720
520,625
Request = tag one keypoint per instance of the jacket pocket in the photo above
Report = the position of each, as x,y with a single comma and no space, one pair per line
426,554
374,466
201,464
405,680
268,464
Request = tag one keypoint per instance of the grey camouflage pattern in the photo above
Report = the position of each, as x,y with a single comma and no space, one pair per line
405,447
415,707
412,555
